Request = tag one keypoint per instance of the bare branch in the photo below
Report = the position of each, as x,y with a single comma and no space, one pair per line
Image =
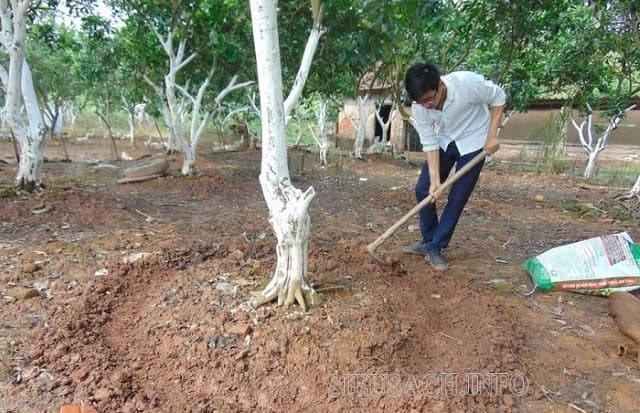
230,88
303,71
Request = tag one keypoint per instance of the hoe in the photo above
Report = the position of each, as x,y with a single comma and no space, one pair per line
429,199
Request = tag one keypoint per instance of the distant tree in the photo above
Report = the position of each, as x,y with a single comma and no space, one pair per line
361,126
593,145
17,81
202,45
321,137
51,49
28,130
97,64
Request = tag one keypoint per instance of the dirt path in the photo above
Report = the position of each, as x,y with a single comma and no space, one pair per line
164,326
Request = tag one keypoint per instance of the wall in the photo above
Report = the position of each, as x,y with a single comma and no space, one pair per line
528,126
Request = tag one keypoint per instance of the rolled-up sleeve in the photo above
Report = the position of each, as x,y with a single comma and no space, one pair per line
488,92
424,125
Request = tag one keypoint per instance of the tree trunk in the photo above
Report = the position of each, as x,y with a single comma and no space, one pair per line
592,161
362,126
107,124
130,108
20,90
288,206
322,140
200,118
189,162
594,147
131,120
635,189
30,168
175,141
173,111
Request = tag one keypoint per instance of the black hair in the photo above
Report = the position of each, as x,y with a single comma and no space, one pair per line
420,78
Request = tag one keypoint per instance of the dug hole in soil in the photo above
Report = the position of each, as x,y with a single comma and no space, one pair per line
134,298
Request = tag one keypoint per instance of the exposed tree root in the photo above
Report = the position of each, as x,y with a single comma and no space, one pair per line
29,186
287,295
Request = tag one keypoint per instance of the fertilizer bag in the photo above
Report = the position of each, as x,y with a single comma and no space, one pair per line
595,266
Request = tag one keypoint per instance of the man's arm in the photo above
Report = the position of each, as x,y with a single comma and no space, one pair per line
433,162
493,143
430,146
488,93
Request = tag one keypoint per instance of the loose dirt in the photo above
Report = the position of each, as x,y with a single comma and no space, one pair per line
134,298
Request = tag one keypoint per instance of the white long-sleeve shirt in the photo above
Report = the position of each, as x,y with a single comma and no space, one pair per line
465,116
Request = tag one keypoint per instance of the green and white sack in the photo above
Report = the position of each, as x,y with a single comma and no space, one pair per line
595,266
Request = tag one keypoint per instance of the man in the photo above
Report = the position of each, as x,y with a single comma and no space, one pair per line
456,115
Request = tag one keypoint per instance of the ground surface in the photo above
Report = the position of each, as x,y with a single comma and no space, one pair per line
133,298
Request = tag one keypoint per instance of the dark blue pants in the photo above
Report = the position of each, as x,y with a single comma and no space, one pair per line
436,234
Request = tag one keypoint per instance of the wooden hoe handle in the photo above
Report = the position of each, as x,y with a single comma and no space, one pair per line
429,199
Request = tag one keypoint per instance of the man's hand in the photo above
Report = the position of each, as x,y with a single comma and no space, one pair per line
433,187
492,145
433,163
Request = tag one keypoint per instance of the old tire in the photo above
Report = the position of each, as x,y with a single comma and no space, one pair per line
149,167
625,308
138,178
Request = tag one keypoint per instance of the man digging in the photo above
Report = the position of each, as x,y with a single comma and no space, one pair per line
457,116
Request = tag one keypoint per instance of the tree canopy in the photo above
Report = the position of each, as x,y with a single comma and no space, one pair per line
583,52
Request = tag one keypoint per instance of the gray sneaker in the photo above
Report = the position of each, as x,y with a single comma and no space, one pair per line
437,261
416,249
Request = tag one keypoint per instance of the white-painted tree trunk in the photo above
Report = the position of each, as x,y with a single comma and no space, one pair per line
131,119
592,146
288,206
166,114
20,92
32,144
175,108
592,163
381,143
322,140
198,122
635,189
70,113
176,111
131,122
385,125
361,128
300,130
200,118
